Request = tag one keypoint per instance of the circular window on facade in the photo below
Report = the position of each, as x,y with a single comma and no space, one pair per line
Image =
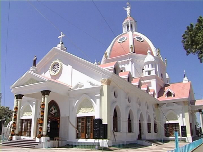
55,67
122,39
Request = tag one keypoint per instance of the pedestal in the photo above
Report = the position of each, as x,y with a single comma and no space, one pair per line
45,141
16,137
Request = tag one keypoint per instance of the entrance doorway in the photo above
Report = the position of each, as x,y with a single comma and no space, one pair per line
25,127
53,123
85,127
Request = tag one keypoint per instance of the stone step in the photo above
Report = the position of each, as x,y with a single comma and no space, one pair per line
21,143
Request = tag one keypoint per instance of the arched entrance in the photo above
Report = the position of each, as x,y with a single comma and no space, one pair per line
53,123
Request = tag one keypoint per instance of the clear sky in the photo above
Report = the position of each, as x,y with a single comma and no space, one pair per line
88,35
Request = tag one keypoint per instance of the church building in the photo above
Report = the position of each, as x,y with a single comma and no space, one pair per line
127,98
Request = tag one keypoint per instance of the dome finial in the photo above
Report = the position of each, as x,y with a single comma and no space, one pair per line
185,79
184,74
128,9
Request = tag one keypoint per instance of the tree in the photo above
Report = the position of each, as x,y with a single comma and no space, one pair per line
193,39
5,113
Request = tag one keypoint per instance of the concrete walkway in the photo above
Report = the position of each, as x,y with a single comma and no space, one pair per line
199,149
159,148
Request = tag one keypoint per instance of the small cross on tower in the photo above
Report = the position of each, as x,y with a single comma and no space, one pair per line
61,37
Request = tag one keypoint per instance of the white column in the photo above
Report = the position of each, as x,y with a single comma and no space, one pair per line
19,99
16,105
105,105
34,120
200,116
158,121
187,121
45,93
97,109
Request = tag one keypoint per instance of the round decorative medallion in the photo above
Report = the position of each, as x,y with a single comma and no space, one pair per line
55,67
122,39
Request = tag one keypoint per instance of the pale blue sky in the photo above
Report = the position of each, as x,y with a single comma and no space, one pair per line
29,34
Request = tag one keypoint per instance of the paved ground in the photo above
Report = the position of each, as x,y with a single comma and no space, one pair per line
160,148
199,149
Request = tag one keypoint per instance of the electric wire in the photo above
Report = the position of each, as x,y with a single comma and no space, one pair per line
57,29
86,33
43,16
140,75
107,23
70,22
7,34
100,42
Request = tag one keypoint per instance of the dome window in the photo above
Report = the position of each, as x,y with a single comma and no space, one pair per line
149,72
139,38
169,93
122,39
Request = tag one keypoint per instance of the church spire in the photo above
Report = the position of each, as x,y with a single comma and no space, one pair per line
185,79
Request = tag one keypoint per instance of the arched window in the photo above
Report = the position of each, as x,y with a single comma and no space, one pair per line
169,94
129,124
127,27
149,125
155,127
115,121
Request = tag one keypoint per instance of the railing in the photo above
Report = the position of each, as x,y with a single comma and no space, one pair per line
189,147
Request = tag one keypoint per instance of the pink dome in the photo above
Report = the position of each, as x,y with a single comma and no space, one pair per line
141,45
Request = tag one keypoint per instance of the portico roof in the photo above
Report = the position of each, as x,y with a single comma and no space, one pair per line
32,82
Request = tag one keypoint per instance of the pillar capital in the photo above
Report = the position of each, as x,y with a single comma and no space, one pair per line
19,96
105,81
45,92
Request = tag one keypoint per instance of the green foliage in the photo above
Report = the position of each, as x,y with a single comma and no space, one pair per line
6,113
193,39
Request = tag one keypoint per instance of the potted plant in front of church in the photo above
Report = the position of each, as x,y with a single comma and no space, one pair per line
15,116
41,121
14,125
42,105
42,113
40,129
39,136
12,132
16,108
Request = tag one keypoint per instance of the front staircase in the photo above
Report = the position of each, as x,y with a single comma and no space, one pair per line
24,143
